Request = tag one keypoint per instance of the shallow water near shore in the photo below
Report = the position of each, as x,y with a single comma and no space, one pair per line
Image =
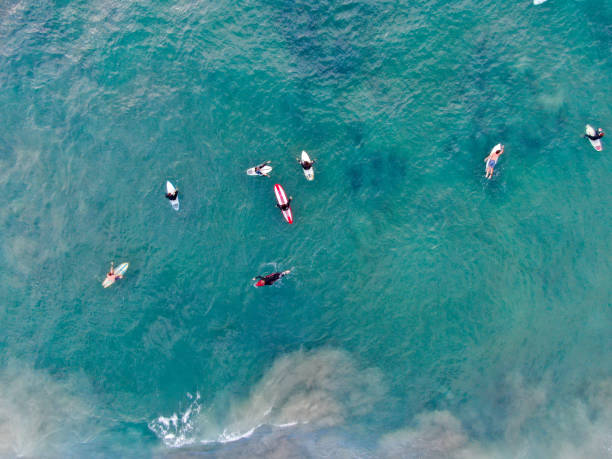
429,312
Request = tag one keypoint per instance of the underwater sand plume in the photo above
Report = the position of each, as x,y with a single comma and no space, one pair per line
320,388
309,405
41,416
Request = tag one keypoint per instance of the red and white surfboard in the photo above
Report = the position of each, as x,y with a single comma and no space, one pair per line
281,198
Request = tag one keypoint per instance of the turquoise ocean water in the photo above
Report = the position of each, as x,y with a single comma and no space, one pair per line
429,312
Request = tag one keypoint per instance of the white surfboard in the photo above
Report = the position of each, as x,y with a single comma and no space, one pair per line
537,2
264,170
496,148
170,190
119,271
596,143
309,173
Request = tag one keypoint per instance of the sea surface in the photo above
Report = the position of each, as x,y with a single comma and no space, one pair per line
429,312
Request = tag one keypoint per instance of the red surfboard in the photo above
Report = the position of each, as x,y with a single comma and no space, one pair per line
281,198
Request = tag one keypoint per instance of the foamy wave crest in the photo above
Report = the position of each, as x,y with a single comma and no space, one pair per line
319,389
177,430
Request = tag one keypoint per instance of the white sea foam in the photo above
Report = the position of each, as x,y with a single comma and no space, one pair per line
178,431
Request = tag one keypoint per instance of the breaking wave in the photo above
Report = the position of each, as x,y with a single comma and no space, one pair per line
177,430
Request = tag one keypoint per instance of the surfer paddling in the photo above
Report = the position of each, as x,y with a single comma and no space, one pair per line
597,135
172,196
306,165
111,276
286,206
258,169
283,203
270,278
492,159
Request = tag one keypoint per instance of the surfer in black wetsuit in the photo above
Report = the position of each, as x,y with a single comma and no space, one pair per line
285,206
305,164
270,278
598,135
172,196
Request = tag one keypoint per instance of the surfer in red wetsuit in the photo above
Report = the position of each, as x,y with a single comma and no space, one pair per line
172,196
270,278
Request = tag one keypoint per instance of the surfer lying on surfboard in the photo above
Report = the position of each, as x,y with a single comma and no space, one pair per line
285,206
111,276
598,134
260,167
270,278
172,196
491,160
305,164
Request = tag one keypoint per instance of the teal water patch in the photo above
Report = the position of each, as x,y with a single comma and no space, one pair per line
478,305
